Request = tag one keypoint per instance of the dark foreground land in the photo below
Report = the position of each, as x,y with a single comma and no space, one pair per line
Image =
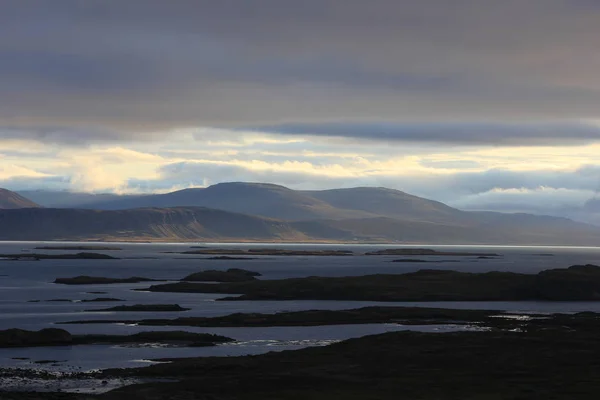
579,282
553,358
504,357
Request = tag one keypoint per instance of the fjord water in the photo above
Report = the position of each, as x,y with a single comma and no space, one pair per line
24,281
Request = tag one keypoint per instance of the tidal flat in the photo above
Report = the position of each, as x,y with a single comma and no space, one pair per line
310,336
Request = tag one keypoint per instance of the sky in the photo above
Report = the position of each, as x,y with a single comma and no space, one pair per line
483,104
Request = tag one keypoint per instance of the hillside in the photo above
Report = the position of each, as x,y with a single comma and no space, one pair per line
140,224
11,200
66,199
383,202
262,199
203,224
273,201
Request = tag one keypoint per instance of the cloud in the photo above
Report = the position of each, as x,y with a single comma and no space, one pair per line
538,200
112,70
470,134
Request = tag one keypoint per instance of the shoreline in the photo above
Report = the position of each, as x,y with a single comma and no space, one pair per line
298,243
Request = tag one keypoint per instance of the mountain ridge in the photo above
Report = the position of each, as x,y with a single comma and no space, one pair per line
240,211
205,224
13,200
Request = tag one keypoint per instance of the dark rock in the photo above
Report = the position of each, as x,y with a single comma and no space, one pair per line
229,258
231,275
145,308
100,300
425,252
78,256
44,337
79,248
174,337
272,252
574,283
49,361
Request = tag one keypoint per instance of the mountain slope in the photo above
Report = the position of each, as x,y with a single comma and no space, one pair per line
11,200
275,201
148,224
203,224
66,199
262,199
383,202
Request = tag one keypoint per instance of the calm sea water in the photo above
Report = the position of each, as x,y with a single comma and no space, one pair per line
23,281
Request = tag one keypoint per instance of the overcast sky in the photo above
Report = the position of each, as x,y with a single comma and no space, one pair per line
483,104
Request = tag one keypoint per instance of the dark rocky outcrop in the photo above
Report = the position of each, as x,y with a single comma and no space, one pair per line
78,256
145,308
101,300
272,252
231,275
44,337
80,248
60,337
174,337
574,283
229,258
366,315
551,358
557,362
425,252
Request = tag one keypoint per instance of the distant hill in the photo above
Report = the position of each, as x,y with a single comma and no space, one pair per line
140,224
11,200
267,212
383,202
262,199
204,224
66,199
273,201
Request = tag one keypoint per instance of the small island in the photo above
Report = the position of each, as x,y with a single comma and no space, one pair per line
576,283
79,248
365,315
231,275
144,308
37,257
426,252
101,300
97,280
270,252
60,337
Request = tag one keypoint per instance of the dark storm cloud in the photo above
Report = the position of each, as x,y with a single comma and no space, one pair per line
146,65
464,134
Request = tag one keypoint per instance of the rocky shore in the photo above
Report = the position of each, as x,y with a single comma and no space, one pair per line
231,275
544,358
576,283
59,337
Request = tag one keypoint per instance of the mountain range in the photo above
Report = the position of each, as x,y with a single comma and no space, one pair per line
267,212
268,200
11,200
